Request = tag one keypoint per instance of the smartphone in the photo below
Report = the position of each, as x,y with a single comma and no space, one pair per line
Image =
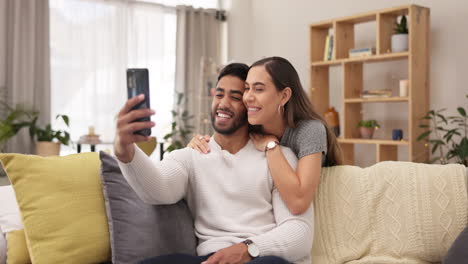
138,83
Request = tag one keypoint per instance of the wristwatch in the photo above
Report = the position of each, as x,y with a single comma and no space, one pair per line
252,249
271,145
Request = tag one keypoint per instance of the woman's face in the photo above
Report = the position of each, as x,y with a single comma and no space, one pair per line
261,97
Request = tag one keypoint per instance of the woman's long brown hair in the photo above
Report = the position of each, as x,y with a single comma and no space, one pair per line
298,107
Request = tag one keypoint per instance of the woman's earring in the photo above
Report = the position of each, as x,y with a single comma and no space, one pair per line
280,109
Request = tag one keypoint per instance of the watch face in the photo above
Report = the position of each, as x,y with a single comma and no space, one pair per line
253,250
271,144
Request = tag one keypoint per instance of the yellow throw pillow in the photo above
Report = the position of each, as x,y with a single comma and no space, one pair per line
17,251
62,206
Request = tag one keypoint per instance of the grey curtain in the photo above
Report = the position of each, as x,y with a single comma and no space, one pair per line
27,62
198,56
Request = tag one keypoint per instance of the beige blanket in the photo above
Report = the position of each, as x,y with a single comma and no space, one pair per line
392,212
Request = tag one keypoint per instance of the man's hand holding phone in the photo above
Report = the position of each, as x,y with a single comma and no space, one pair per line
126,128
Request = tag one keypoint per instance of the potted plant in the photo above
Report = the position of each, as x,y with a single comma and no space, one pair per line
400,38
449,139
367,128
16,118
178,137
48,140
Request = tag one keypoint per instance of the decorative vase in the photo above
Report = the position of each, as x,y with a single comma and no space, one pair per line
46,148
332,119
399,42
366,132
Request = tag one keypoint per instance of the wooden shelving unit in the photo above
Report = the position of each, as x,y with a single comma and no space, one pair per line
417,57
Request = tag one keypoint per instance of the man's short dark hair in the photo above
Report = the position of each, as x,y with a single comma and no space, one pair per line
238,70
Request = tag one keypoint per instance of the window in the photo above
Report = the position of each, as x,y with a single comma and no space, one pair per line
194,3
92,44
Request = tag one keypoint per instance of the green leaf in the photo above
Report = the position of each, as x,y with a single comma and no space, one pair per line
424,135
178,144
463,149
423,126
434,147
170,148
66,120
461,110
179,98
442,117
168,136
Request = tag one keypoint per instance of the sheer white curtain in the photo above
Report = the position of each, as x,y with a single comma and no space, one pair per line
93,42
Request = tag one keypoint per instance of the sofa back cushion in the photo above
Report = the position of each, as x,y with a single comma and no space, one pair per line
392,212
139,230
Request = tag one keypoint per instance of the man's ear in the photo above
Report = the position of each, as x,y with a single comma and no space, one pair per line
285,95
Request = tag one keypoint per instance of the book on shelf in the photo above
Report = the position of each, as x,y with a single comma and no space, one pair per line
376,93
325,51
362,52
328,50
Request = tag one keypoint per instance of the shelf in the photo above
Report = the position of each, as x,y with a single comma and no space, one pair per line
347,36
372,141
376,99
367,59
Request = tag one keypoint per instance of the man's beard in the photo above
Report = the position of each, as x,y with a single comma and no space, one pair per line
238,121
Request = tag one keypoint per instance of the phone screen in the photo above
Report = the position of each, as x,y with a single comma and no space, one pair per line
138,83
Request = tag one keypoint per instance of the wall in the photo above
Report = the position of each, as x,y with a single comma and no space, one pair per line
239,22
2,43
281,28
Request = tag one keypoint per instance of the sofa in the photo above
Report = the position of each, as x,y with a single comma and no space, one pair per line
79,209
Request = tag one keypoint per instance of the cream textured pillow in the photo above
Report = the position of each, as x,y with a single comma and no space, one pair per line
392,212
62,206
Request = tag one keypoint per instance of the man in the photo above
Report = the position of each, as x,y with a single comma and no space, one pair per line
239,216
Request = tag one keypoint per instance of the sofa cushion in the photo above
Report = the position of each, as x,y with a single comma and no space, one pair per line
138,230
392,212
458,252
17,250
62,206
11,228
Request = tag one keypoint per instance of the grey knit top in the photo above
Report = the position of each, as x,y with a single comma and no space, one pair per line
310,136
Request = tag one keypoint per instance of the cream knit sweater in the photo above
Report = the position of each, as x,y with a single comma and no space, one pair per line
232,198
392,212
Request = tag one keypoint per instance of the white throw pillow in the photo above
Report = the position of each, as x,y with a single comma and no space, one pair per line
2,248
10,217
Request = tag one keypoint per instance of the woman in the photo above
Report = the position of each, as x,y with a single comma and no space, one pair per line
277,103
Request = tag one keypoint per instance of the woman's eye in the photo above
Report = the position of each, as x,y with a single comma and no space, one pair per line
247,88
258,89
